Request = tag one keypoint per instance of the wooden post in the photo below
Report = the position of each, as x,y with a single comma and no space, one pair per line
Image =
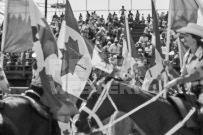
45,14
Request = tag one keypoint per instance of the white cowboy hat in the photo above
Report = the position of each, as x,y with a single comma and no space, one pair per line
192,28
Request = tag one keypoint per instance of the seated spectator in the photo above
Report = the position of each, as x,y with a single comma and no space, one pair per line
148,50
130,14
143,38
102,21
99,45
163,39
113,60
130,21
110,18
122,19
106,47
146,29
115,48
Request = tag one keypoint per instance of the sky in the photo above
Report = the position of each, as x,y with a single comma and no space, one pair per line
101,6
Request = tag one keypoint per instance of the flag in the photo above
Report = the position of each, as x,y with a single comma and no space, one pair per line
156,61
129,44
98,58
129,51
75,66
182,13
99,62
16,18
46,50
17,36
200,5
4,85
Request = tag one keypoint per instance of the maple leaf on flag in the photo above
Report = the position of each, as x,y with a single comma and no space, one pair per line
70,58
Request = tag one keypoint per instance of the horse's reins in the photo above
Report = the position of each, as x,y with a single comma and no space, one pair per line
102,97
132,111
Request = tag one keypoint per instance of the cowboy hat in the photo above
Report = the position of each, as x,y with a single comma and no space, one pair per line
192,28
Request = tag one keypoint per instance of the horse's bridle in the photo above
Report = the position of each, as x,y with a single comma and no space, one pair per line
102,97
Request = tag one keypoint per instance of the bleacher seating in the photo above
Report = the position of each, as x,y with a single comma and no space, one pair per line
137,31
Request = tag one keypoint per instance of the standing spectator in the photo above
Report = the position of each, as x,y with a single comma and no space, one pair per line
122,10
102,21
137,17
148,19
143,20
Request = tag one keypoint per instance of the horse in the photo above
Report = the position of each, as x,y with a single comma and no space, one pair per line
7,127
155,119
20,118
127,125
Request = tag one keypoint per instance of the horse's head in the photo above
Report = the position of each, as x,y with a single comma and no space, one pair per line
83,123
93,113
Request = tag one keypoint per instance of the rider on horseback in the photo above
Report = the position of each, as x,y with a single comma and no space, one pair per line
192,70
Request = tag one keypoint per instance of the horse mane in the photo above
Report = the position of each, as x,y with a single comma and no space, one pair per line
137,90
120,83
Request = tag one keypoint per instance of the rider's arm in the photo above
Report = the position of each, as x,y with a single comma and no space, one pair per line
197,74
189,77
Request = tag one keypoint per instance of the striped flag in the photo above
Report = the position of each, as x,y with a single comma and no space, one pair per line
156,62
16,18
46,50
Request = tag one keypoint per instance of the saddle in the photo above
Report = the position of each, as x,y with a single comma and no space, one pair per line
183,104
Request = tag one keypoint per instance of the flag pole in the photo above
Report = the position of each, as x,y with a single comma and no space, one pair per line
128,42
45,14
2,44
4,32
168,43
168,31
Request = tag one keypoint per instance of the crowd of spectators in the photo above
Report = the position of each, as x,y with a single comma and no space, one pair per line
107,34
18,61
